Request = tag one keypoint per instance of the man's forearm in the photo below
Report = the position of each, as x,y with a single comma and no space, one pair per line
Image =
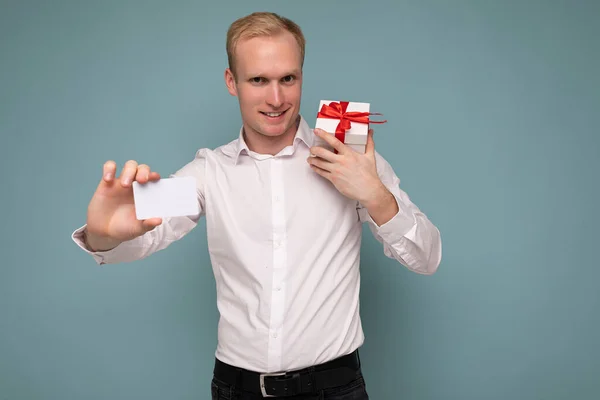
382,207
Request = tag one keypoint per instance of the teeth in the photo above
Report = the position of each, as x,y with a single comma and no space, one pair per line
273,114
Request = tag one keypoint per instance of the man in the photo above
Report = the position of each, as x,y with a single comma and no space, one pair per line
283,226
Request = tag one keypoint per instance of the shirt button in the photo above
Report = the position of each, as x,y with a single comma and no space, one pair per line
278,288
275,335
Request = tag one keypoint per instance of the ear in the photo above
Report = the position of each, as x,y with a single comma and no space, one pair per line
230,82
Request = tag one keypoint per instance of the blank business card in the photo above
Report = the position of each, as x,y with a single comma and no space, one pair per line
168,197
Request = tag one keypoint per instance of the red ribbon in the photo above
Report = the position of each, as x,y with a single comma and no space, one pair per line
337,110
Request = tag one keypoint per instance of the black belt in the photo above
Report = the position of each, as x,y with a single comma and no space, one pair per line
308,380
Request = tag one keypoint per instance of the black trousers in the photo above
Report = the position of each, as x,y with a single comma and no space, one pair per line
339,379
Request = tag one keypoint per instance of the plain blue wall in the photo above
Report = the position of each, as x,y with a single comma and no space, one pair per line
493,110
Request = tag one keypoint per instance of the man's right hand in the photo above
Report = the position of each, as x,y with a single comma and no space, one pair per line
111,217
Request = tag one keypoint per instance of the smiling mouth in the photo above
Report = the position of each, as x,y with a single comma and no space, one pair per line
273,114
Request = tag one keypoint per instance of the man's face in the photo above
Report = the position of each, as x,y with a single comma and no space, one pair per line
268,84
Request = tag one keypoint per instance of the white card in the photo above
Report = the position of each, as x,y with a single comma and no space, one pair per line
167,197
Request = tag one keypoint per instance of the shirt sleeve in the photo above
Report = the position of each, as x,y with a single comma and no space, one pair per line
171,229
409,237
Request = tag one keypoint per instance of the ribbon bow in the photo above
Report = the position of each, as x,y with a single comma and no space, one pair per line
337,110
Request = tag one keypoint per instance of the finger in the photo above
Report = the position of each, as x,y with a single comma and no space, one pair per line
321,172
151,223
154,176
108,171
321,164
325,154
370,147
143,173
331,140
128,173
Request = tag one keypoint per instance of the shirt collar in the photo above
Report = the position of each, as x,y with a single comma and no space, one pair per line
303,135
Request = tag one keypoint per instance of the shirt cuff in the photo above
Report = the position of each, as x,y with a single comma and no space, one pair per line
99,256
397,227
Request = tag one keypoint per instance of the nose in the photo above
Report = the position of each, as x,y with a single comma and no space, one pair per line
275,95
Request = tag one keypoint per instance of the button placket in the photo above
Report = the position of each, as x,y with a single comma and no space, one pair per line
279,264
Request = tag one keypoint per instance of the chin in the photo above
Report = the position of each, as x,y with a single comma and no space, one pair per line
273,132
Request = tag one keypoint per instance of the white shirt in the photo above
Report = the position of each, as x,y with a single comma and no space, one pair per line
285,251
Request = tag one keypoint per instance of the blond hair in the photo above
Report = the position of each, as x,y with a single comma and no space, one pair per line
261,24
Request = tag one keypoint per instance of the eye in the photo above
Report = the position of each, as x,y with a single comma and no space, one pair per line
257,80
288,79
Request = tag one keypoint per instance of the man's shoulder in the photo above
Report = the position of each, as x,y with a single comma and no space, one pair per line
221,153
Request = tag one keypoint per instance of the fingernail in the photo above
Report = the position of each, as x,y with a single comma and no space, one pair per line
107,176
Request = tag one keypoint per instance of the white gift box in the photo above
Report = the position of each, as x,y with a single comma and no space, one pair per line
355,136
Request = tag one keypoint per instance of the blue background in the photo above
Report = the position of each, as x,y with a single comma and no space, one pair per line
494,115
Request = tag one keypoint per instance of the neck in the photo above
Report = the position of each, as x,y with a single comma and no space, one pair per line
272,145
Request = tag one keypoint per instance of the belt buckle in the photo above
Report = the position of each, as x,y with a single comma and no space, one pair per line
263,389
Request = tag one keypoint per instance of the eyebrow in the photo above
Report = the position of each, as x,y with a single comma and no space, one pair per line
295,72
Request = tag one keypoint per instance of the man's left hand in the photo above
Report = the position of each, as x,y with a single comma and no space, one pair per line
353,174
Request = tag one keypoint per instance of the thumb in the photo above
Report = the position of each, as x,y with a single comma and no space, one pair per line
151,223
